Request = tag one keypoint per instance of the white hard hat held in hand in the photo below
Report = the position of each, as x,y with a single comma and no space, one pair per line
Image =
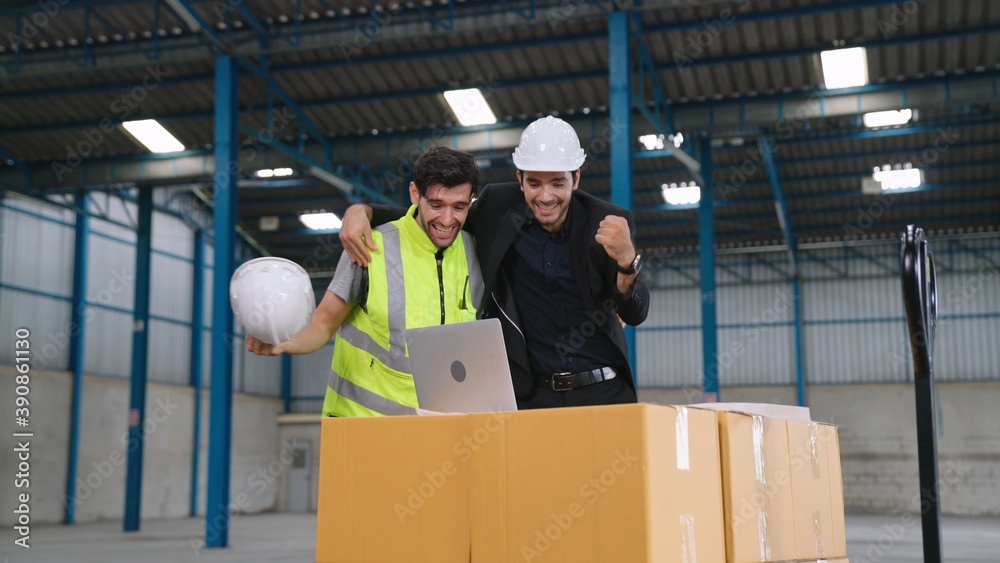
549,144
272,297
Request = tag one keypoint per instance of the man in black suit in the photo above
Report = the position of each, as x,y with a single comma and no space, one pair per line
560,269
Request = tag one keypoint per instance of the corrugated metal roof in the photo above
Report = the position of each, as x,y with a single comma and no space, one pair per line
369,94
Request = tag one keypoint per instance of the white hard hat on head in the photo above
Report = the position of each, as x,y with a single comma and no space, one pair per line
273,298
549,144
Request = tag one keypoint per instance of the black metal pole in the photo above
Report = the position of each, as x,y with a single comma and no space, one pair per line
920,302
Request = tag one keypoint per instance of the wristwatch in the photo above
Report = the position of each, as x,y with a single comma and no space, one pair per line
634,267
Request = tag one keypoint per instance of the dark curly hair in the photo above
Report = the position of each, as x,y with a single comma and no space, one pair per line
446,166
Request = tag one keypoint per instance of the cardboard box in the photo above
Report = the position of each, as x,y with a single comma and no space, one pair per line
394,489
836,493
756,488
613,483
811,447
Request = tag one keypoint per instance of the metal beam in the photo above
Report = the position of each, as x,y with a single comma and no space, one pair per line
620,110
706,241
286,381
140,349
197,355
876,43
225,209
766,147
77,349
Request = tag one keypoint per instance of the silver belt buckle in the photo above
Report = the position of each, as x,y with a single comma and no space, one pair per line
554,384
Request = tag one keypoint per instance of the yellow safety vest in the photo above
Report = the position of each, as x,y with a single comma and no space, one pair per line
370,374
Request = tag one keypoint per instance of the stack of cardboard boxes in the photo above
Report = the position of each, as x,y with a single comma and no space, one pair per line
628,483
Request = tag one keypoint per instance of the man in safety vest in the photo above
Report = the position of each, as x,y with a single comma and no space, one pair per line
425,273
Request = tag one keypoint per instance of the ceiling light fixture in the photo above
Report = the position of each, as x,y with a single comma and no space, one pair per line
150,134
470,107
844,68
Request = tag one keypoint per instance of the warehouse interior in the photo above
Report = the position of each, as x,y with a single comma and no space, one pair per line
769,193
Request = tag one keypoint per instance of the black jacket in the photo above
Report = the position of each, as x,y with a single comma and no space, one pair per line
495,219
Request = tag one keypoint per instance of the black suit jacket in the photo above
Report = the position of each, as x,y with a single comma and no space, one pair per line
496,218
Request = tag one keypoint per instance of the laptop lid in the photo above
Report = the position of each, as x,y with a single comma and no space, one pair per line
461,367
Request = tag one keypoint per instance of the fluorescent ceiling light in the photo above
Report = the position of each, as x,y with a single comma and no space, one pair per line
682,194
470,107
320,221
902,178
153,136
652,142
273,172
844,68
655,142
887,118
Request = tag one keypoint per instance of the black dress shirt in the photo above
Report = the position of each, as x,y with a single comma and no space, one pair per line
560,336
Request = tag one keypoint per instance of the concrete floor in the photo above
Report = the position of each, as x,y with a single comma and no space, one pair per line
291,537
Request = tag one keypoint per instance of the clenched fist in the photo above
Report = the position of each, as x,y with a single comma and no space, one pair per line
613,234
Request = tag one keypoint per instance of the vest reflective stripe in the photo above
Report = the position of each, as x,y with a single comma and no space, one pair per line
361,340
397,295
373,401
476,287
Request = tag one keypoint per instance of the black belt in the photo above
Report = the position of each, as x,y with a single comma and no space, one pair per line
568,381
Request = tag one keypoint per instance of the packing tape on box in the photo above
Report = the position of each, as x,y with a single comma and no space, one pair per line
762,537
760,472
683,440
758,449
688,553
818,534
813,449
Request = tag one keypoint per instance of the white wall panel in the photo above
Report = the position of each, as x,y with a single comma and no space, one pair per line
36,253
169,352
109,343
47,320
170,287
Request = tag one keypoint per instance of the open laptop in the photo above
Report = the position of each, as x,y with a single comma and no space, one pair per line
461,367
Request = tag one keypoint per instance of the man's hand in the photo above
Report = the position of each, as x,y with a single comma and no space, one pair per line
356,234
613,234
261,348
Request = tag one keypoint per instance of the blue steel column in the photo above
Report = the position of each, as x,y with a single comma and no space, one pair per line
800,380
706,239
286,381
766,147
76,347
197,338
140,346
620,113
221,416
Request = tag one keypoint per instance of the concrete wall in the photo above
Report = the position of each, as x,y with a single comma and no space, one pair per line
103,452
878,441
